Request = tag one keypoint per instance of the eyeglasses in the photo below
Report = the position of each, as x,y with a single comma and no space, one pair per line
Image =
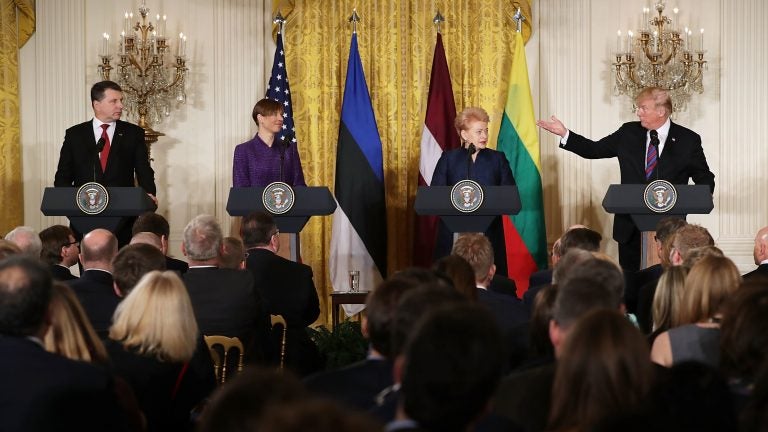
277,232
68,244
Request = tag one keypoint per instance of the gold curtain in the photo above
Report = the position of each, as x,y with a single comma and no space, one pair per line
396,42
17,23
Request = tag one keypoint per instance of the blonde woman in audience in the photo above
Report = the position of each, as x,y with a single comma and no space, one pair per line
71,335
603,370
708,285
155,346
667,300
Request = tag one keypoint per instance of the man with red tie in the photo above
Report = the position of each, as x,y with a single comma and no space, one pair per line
653,148
105,149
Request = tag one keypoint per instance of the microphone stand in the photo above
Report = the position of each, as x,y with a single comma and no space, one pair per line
470,151
99,147
284,143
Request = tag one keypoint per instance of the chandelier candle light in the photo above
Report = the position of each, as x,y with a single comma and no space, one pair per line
149,85
662,55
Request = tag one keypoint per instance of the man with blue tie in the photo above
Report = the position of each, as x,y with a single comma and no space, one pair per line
653,148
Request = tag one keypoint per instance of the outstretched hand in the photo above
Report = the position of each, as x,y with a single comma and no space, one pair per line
553,125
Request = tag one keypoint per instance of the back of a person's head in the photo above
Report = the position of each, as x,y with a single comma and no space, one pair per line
98,246
668,298
53,239
604,369
696,254
202,238
594,284
240,405
149,238
317,415
668,226
568,262
380,308
257,229
580,238
232,253
477,250
157,319
744,332
70,333
8,248
418,276
414,304
27,239
691,236
151,222
460,272
708,285
453,363
133,262
25,292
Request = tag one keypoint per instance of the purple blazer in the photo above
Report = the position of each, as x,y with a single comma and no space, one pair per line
257,164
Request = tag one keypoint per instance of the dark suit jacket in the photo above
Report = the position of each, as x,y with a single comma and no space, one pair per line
61,273
128,157
682,158
44,391
760,272
176,265
226,303
503,285
288,290
355,385
97,295
508,310
524,397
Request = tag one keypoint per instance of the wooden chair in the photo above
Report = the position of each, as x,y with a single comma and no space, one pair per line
220,360
279,320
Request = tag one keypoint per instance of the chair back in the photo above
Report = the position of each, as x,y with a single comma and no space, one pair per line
276,321
220,359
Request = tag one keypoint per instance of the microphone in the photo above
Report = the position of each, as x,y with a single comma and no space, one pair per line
99,147
471,149
284,142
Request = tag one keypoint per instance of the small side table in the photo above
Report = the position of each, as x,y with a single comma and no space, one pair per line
339,298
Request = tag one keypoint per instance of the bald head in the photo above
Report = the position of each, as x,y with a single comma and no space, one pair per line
97,249
27,239
761,245
146,237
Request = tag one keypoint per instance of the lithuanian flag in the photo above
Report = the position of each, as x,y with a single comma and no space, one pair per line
525,236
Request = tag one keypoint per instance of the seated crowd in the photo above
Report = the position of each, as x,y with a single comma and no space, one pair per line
682,345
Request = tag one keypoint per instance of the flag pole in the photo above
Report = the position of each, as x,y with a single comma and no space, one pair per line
354,19
280,21
438,20
519,18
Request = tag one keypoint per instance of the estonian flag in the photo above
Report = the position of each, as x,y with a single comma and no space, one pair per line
359,236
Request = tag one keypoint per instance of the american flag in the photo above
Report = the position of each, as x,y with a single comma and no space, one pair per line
278,90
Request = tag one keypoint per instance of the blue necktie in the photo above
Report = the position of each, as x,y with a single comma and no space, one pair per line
650,159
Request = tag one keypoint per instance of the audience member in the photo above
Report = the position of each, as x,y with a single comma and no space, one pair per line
317,415
232,254
225,301
44,391
460,272
449,369
707,287
760,254
358,384
158,225
60,251
132,262
8,248
603,371
668,300
287,289
477,250
524,396
155,346
149,238
684,239
696,254
27,239
95,288
544,277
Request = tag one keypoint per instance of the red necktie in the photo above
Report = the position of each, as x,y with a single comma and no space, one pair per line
105,151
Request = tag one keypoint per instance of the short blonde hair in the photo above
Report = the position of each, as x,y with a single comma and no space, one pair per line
707,287
157,318
469,115
659,96
71,334
478,251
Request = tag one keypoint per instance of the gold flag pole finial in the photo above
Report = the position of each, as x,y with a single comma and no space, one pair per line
354,19
519,18
280,21
438,20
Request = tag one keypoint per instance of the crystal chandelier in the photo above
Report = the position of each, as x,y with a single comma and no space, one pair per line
660,56
149,85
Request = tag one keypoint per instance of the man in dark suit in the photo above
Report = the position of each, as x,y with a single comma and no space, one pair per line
158,225
225,301
95,288
131,263
44,391
650,149
761,255
60,251
106,150
286,287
